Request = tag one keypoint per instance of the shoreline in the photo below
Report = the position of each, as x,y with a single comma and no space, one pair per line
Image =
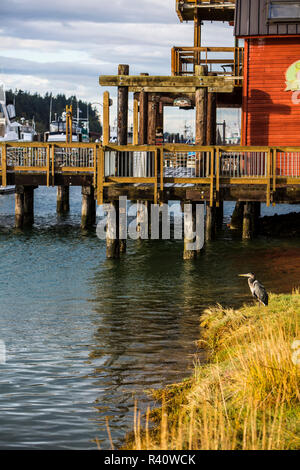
246,397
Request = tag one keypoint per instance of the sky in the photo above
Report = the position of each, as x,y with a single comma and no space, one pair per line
63,46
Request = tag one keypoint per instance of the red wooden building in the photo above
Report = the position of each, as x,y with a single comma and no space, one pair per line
271,93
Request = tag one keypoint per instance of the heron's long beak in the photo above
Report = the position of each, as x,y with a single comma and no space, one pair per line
243,275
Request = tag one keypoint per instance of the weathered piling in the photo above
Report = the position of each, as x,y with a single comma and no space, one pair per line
251,219
201,109
257,214
152,116
211,128
113,233
210,227
143,219
123,107
248,221
236,222
220,215
143,116
63,199
19,207
88,207
28,206
189,249
160,117
213,214
122,125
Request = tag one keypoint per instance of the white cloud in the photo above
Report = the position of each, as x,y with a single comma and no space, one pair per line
63,46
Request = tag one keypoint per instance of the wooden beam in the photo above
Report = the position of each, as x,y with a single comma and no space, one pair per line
180,90
166,81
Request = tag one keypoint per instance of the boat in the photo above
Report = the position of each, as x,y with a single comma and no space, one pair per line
12,130
57,128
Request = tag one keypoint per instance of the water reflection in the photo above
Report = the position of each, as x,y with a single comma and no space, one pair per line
85,336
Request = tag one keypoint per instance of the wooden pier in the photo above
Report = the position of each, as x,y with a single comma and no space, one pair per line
158,173
203,79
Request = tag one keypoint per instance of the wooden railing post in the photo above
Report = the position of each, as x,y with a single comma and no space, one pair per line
212,177
217,156
53,163
162,168
274,173
95,165
173,61
48,165
100,174
268,177
4,165
156,156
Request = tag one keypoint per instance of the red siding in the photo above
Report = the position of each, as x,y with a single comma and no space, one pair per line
269,116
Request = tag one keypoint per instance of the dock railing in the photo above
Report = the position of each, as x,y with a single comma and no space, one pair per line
158,167
227,61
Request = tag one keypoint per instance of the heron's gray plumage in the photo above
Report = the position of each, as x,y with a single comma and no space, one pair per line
257,289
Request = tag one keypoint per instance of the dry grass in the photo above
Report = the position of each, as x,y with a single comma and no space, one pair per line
246,397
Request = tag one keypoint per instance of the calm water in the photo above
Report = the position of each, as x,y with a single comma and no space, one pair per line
85,337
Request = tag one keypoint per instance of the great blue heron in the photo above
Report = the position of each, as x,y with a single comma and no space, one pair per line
257,289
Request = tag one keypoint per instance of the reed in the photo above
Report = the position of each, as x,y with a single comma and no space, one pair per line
246,397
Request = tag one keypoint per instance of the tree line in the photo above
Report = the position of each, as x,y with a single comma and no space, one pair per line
35,106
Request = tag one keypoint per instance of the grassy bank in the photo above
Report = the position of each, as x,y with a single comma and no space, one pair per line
245,397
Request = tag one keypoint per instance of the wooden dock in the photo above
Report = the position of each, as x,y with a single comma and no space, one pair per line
158,173
203,79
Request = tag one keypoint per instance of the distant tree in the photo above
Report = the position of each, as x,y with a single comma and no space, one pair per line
30,105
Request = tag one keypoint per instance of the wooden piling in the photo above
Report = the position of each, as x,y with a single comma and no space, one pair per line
143,219
88,207
152,115
160,116
123,107
135,120
143,116
112,234
211,128
197,36
19,207
63,199
201,109
220,215
257,214
122,126
106,128
28,206
214,215
248,221
236,222
210,227
189,231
